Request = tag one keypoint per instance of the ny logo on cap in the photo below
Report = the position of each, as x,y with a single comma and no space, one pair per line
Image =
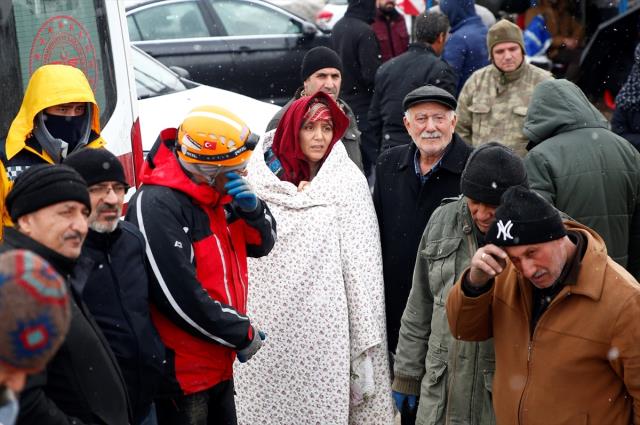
504,229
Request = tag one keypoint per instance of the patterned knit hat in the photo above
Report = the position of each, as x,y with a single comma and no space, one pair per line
34,310
318,111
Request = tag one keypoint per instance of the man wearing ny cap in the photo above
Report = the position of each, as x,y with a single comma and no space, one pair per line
117,289
562,313
322,71
426,348
494,100
410,182
82,384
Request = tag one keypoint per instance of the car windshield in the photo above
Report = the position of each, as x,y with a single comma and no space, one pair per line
152,78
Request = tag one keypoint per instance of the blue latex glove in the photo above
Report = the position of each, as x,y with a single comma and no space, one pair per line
400,399
247,352
243,196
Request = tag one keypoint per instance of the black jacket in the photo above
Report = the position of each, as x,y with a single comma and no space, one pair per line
117,294
403,207
394,80
626,123
82,384
356,43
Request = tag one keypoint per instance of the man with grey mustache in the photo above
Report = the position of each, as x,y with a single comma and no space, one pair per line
411,181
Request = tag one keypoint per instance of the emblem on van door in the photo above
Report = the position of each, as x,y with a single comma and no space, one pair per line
65,41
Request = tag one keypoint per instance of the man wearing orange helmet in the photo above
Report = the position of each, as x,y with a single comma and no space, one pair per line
201,220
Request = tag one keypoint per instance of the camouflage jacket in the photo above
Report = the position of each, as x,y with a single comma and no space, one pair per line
492,105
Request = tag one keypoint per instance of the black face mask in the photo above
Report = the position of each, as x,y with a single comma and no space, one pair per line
68,129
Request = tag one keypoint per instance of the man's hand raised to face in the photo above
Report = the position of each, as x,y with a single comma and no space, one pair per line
488,262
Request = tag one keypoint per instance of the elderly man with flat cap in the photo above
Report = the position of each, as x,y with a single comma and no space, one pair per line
321,70
82,384
563,316
410,182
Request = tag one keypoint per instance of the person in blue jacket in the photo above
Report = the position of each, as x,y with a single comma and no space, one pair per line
466,49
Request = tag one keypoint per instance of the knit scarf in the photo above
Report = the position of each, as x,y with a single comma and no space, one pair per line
628,97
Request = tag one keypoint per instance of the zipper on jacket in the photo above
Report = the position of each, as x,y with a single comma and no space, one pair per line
224,270
245,292
127,317
467,229
557,300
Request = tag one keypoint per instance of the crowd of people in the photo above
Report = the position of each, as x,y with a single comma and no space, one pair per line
429,232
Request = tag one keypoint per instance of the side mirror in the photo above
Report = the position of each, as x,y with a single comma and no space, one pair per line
182,73
309,30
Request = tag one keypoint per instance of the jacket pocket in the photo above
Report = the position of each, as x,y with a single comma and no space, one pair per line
480,127
487,416
521,111
441,255
433,394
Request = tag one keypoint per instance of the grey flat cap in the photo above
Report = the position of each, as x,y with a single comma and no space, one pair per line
429,93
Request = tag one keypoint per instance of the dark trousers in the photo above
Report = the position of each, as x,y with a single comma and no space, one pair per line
215,406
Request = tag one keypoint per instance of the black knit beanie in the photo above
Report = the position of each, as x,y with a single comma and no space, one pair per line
43,185
524,218
491,169
96,166
318,58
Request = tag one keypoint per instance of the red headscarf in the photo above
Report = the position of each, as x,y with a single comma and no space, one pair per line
286,141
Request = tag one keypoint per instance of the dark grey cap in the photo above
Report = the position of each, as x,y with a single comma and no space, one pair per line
429,93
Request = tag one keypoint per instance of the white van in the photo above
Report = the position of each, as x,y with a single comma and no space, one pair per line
88,34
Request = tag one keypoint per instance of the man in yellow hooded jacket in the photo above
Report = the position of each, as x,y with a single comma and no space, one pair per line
59,114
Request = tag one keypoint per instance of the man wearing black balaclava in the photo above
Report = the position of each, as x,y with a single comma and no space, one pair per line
356,43
59,114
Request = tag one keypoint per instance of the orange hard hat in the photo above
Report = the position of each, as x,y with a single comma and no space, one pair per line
212,135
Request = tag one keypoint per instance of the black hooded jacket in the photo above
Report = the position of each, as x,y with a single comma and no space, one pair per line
356,43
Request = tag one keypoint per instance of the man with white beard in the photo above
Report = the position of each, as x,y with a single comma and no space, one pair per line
410,182
117,288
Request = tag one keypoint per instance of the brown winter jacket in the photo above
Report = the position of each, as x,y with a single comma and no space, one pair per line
582,363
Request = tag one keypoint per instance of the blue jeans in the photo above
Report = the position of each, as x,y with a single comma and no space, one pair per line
215,406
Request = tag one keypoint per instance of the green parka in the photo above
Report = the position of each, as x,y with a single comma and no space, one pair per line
453,377
584,169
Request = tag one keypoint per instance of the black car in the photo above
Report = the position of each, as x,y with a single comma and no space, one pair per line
247,46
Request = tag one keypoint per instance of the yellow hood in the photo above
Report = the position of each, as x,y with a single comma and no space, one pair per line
50,85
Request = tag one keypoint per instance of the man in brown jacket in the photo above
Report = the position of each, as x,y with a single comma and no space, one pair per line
563,315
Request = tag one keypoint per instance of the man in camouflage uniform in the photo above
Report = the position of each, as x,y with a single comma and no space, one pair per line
494,100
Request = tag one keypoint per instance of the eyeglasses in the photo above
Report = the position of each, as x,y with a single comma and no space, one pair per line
102,190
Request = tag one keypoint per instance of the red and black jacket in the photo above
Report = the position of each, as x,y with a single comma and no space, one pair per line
197,247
